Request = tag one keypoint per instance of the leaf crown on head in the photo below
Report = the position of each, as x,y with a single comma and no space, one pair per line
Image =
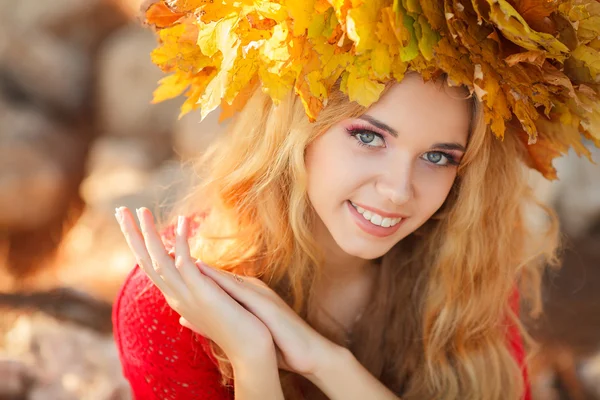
534,64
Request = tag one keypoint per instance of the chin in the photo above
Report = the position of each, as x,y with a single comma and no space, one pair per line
365,251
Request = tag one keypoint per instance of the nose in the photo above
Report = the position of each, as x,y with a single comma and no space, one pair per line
396,182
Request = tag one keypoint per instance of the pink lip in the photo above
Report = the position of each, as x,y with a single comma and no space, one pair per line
370,228
380,212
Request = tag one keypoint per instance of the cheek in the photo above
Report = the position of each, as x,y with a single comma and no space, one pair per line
329,165
433,187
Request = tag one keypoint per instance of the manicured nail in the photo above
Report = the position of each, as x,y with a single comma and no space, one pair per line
180,225
118,214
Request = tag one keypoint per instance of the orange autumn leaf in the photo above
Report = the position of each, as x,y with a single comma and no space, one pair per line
536,13
184,6
161,16
240,100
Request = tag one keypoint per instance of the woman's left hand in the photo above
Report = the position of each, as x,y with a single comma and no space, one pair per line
301,349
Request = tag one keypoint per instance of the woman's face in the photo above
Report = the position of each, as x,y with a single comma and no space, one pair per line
375,179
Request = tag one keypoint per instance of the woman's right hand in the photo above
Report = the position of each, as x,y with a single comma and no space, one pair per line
202,304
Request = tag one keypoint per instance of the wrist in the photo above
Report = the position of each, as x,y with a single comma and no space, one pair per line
257,378
331,356
253,356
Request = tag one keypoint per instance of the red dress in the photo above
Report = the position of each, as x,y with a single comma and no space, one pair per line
163,360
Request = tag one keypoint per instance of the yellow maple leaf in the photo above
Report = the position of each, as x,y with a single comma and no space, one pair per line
178,50
362,24
360,87
341,8
427,37
331,62
275,52
276,86
301,13
321,6
386,27
270,9
197,87
381,59
515,28
589,57
585,14
170,87
227,43
405,32
590,121
228,109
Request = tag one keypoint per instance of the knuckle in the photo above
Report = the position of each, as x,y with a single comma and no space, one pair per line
179,262
144,263
157,267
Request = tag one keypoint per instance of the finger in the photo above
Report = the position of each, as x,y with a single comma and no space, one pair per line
161,261
187,324
136,244
248,293
184,262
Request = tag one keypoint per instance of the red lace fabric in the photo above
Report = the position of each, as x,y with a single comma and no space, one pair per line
163,360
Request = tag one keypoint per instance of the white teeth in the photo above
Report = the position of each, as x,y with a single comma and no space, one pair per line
376,219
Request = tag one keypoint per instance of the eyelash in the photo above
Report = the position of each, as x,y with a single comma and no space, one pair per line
354,131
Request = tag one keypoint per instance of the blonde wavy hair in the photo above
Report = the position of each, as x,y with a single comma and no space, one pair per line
445,334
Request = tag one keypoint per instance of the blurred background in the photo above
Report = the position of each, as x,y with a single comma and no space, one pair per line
79,137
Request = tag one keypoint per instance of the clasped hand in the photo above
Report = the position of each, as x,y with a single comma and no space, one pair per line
242,315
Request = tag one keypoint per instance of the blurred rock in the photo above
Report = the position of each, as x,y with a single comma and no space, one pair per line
132,8
70,362
126,81
47,72
36,160
83,23
16,379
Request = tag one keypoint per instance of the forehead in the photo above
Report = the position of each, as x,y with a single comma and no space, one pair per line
431,109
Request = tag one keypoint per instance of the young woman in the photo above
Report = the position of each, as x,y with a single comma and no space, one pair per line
367,252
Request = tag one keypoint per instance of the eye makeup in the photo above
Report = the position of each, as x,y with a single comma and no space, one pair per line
358,128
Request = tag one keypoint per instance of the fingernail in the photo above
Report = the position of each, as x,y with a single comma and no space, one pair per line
180,223
118,214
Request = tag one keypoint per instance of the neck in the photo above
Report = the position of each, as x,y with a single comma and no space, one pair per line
340,268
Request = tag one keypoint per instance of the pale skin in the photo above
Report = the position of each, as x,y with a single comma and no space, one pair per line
402,168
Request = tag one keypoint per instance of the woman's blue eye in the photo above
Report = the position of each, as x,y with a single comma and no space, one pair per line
434,157
367,138
439,158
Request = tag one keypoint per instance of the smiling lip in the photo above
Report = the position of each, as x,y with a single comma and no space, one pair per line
379,212
370,228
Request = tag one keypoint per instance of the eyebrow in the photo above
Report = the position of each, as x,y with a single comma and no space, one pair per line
379,124
393,132
449,146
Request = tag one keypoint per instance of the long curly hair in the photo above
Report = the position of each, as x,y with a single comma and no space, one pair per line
437,325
